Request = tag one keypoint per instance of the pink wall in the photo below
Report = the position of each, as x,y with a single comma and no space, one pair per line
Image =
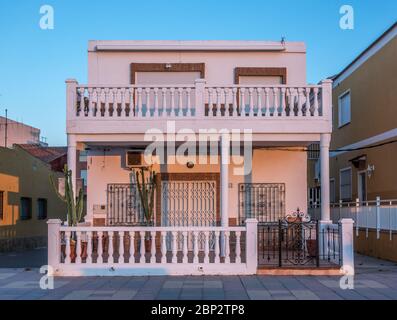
112,67
268,167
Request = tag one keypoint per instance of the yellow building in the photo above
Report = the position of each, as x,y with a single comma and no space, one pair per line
364,127
27,200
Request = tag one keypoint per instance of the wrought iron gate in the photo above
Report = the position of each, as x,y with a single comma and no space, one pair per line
189,203
263,201
296,241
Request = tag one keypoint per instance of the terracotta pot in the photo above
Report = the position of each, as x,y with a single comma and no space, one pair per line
148,244
73,250
311,247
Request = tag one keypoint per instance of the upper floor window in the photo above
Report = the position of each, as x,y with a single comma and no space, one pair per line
41,209
26,208
344,109
1,205
346,184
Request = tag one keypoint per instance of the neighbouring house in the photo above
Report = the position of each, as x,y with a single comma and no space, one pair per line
224,125
27,200
56,158
14,132
364,147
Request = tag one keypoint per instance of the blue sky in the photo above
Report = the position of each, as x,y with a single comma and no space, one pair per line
34,63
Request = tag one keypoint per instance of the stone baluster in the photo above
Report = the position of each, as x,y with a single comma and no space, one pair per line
67,247
316,112
251,102
217,248
89,248
227,246
142,258
100,247
163,102
242,106
110,247
185,247
163,247
195,247
207,247
174,248
132,247
172,102
153,247
189,102
78,246
238,247
121,248
235,106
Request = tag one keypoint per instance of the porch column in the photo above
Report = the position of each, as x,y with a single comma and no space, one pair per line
225,146
72,159
324,173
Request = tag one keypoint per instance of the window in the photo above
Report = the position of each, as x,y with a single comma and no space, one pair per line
83,175
346,184
26,208
313,151
1,205
41,209
344,109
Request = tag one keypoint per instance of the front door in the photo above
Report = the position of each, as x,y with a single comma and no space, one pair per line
190,200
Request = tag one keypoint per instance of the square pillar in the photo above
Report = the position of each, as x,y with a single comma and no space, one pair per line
324,173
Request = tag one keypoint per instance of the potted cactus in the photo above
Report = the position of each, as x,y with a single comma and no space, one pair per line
146,183
75,207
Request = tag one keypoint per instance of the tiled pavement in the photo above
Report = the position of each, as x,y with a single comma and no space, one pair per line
375,279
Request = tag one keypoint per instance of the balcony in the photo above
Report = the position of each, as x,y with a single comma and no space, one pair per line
104,109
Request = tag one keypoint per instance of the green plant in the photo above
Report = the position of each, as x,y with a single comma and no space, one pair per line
75,205
146,186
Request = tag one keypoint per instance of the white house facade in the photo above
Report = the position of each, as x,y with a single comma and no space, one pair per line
221,130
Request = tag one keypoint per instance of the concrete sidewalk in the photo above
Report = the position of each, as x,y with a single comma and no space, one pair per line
375,279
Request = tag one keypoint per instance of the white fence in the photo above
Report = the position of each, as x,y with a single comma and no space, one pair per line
234,101
377,214
99,251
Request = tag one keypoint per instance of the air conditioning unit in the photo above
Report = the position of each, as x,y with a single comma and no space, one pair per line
135,159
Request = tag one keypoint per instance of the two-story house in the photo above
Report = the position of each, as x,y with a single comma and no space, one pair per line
220,130
137,86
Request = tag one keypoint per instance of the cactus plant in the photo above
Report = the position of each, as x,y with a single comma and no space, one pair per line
75,205
146,187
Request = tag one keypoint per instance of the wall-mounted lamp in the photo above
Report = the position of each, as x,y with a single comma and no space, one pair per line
370,170
168,66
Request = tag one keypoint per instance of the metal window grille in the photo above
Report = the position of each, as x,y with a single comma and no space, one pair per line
263,201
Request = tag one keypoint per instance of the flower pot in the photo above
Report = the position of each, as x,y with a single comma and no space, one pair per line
148,244
311,246
73,254
73,251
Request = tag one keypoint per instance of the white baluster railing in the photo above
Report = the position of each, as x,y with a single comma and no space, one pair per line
198,247
245,101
